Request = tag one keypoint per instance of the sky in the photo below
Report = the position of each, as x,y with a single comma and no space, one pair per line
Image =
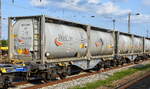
98,13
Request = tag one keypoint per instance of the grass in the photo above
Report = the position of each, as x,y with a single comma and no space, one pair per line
114,77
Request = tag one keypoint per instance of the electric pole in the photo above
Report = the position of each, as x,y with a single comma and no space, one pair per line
147,33
114,24
129,22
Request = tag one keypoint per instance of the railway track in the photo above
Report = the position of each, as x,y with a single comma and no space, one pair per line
74,77
133,81
20,83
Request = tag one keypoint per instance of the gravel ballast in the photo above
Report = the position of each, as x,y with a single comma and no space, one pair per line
91,78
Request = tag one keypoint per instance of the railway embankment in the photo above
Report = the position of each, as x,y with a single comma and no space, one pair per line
111,78
118,78
105,80
127,78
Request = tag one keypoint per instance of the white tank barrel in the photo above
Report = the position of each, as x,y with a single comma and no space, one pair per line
62,40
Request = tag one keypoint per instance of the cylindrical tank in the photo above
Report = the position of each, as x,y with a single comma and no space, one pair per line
137,45
69,41
61,40
147,45
125,44
102,43
65,41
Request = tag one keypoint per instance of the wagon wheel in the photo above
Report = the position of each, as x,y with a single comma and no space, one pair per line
113,63
27,76
101,65
62,75
6,82
107,64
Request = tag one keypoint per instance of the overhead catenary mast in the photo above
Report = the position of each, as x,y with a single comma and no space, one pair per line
147,33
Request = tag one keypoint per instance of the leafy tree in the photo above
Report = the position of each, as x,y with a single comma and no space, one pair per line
4,43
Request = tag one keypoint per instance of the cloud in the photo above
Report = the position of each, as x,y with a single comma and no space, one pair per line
94,1
72,2
107,8
142,18
110,8
93,6
119,0
39,3
146,2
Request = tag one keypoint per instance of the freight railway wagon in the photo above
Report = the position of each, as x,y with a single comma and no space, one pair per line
52,47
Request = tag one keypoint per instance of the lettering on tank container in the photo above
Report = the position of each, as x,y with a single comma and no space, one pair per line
23,37
61,38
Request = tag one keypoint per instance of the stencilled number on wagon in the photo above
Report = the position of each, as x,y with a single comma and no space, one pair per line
25,30
25,25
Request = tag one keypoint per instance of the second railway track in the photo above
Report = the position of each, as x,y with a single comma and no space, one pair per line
131,82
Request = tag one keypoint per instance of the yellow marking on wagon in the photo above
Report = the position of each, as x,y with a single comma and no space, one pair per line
14,35
110,46
20,51
82,46
4,48
3,70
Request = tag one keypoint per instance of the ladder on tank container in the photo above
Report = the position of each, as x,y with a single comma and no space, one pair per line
36,39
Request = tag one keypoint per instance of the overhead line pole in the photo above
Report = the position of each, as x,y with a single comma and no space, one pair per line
114,24
129,22
147,33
